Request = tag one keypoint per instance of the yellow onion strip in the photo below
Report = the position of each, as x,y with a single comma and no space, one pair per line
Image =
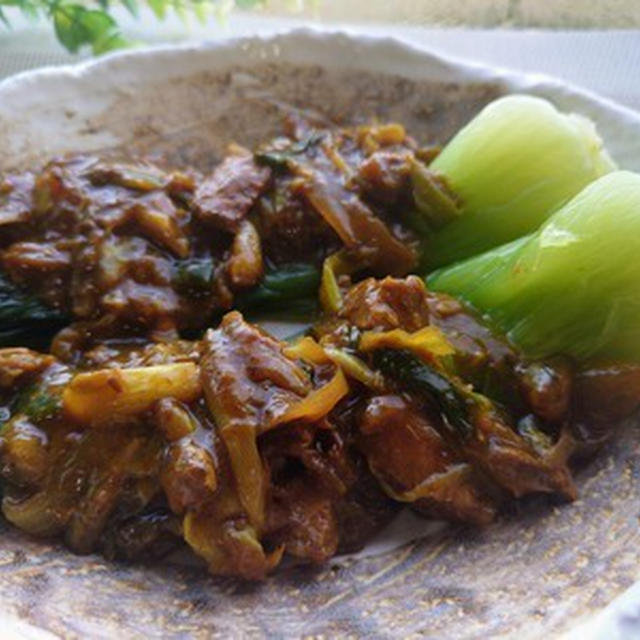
432,486
371,137
337,264
330,149
246,463
319,402
307,349
105,396
221,547
355,368
428,343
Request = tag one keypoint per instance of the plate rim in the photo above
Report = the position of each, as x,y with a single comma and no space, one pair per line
466,70
505,76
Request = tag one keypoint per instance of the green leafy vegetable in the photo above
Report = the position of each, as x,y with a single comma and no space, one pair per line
502,175
572,288
38,404
282,288
194,276
279,158
24,320
451,398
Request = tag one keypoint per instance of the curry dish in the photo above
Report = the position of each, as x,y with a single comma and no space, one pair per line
142,410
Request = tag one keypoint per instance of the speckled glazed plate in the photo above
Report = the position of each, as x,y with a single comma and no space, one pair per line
540,570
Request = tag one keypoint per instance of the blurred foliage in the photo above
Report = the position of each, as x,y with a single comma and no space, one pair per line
92,24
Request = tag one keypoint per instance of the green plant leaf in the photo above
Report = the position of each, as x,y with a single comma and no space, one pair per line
95,25
159,8
110,43
66,28
77,26
132,7
30,10
201,10
180,11
248,4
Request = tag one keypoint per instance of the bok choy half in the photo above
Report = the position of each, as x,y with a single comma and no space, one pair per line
571,288
503,174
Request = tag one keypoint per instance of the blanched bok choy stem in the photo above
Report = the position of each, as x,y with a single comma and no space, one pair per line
571,288
503,174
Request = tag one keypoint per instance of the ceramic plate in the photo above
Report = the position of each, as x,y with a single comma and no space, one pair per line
538,571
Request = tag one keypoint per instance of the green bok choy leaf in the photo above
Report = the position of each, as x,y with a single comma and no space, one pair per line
24,320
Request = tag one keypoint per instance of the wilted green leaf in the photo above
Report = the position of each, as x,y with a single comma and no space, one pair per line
38,404
194,276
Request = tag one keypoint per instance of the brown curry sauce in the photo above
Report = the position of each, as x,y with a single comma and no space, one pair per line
130,440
